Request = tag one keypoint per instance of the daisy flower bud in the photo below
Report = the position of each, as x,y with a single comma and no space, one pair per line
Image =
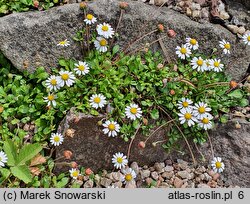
67,154
1,109
36,3
171,33
172,92
233,84
83,5
145,121
237,125
88,171
160,27
123,5
73,164
142,144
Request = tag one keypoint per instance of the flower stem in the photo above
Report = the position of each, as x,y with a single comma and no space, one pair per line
210,142
132,139
184,137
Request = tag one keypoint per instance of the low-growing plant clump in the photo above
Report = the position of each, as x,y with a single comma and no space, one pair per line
135,92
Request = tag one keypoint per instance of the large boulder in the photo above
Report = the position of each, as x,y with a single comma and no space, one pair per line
29,39
91,148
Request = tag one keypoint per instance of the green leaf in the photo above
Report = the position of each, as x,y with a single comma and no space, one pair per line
154,114
22,172
63,63
116,48
27,153
4,174
136,124
62,183
224,119
11,152
236,94
244,102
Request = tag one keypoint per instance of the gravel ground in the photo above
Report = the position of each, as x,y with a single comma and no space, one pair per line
167,174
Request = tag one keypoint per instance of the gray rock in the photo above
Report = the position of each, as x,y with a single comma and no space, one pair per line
168,174
90,140
30,38
105,182
203,185
168,168
233,146
184,174
154,175
88,184
182,164
135,167
145,174
164,185
178,182
116,176
159,167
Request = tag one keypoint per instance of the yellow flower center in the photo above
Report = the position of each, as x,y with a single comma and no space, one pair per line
97,100
62,42
248,38
53,82
75,174
199,62
133,110
128,177
111,127
218,165
81,67
205,120
216,64
65,77
103,42
89,17
227,46
193,42
188,116
56,139
0,158
105,28
183,50
51,97
119,160
185,104
201,109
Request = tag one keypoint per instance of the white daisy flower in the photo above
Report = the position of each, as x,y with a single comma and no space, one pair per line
128,175
184,103
90,19
105,30
186,115
3,159
119,160
74,173
208,65
192,43
53,83
200,110
111,128
217,165
205,122
81,68
64,43
226,46
67,78
183,51
216,65
50,99
133,111
101,44
199,64
97,101
246,38
56,139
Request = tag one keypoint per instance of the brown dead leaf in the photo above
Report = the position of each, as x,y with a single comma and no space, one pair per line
38,159
35,171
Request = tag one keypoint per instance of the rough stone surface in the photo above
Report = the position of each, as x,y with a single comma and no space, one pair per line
233,145
30,38
91,148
